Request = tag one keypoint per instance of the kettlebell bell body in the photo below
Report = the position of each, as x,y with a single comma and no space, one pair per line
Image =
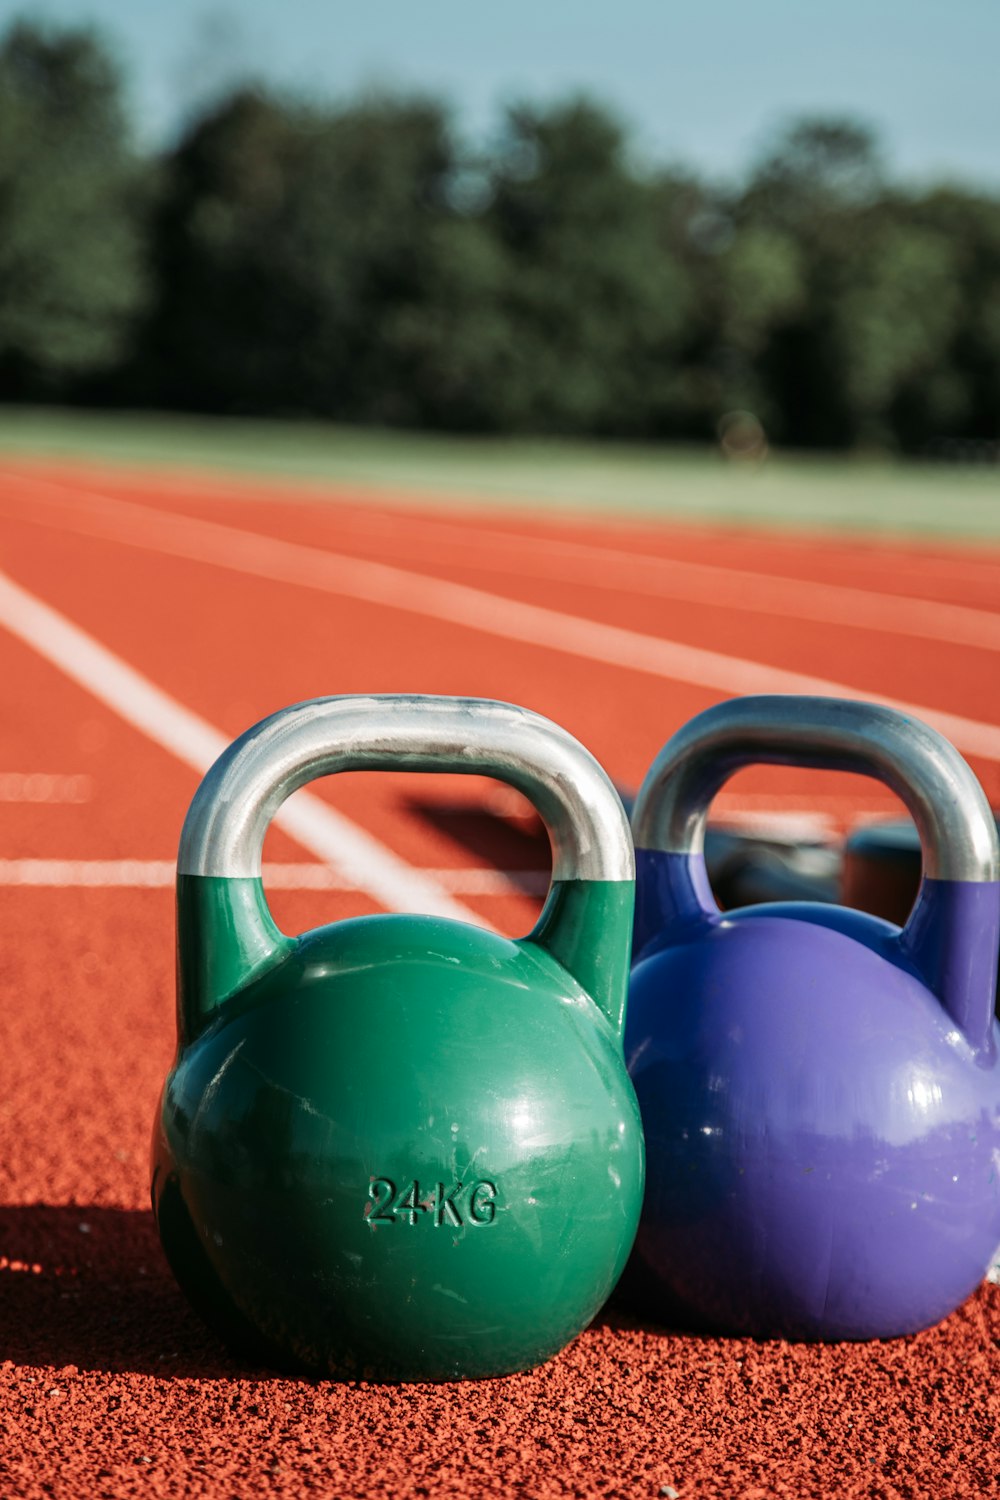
400,1147
820,1089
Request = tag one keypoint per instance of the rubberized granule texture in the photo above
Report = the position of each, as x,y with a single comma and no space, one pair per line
110,1386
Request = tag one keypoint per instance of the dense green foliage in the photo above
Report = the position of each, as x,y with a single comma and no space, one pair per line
362,263
72,277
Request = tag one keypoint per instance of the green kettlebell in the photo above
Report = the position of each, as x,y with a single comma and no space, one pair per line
400,1147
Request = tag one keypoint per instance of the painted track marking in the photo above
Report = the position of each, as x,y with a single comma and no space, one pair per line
766,593
160,874
569,561
372,867
364,516
45,787
562,560
476,609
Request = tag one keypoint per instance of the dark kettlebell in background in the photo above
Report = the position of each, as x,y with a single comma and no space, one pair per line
820,1089
401,1147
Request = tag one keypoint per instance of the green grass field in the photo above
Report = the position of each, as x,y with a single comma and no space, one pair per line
855,494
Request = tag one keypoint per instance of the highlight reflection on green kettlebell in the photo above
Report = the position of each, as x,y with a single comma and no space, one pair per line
400,1146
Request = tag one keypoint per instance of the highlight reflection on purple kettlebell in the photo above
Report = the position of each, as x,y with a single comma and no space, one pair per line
820,1089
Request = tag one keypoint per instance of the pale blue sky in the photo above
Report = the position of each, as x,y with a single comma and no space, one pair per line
702,82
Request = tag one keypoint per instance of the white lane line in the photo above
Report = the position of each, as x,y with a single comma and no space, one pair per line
721,587
372,867
375,510
657,573
475,609
160,874
560,559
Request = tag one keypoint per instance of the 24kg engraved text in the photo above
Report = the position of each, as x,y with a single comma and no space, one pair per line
445,1205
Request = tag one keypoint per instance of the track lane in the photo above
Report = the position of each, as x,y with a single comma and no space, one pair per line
272,644
96,1329
567,570
227,670
519,563
883,670
136,793
927,568
411,830
331,836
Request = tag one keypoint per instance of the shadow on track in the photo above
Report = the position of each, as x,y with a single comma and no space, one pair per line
90,1287
515,842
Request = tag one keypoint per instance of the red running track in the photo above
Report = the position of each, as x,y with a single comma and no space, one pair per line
110,1386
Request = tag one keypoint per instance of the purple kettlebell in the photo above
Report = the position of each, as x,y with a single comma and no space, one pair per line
820,1089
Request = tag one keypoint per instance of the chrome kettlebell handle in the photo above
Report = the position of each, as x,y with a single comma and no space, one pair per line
957,831
224,830
225,932
952,934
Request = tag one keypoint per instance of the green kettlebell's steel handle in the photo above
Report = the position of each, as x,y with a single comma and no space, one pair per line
586,921
958,833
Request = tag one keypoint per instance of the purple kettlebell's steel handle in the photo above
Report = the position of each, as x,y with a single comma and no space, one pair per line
952,934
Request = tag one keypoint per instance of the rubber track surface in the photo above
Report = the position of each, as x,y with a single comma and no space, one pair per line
109,1387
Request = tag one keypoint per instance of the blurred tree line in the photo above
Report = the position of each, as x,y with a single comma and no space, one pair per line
361,263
